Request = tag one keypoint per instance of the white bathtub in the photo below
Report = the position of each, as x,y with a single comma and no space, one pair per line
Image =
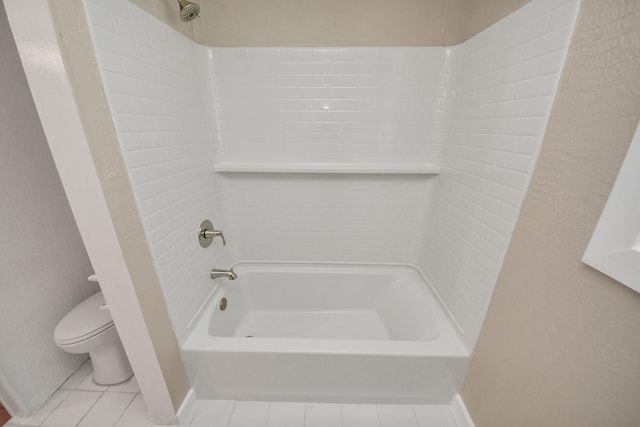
325,333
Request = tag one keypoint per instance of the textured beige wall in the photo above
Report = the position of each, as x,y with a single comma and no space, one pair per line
560,345
334,22
81,66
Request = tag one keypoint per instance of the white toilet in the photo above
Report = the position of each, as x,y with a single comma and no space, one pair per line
89,328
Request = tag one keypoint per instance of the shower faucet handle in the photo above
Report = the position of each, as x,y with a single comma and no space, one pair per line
210,234
207,232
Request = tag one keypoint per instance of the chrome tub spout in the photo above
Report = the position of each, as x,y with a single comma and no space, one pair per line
229,274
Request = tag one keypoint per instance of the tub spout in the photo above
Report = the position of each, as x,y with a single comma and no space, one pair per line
229,274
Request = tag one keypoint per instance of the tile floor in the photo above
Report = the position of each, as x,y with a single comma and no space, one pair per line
212,413
81,403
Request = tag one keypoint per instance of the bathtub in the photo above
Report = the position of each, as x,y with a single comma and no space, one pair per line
325,333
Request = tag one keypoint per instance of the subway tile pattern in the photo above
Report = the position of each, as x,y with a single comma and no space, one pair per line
504,97
151,76
331,105
478,109
155,94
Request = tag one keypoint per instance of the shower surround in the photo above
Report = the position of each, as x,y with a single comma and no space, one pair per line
418,156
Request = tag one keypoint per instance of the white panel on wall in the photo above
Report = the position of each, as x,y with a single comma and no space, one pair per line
155,93
331,105
505,93
43,263
309,217
320,105
306,108
478,110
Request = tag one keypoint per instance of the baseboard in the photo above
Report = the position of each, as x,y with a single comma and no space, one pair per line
186,411
460,413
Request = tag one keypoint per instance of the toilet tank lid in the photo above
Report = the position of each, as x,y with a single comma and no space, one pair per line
84,320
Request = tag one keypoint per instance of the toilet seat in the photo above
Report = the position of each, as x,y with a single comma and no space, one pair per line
84,321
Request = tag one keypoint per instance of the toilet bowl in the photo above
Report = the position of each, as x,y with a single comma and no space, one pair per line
89,328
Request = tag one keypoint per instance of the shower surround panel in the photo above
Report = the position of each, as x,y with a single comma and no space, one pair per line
477,110
352,107
509,77
332,105
155,93
179,108
310,217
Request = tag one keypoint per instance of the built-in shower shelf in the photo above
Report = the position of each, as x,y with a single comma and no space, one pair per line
329,168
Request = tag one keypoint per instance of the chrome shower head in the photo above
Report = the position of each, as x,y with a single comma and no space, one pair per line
188,11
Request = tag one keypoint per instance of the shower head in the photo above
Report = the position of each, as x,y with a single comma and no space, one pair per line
188,11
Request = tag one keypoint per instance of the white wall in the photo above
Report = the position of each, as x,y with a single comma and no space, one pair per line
43,263
150,73
509,77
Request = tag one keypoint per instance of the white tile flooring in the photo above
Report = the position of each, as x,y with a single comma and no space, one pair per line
81,403
210,413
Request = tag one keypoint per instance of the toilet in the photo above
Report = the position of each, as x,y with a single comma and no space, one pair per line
89,328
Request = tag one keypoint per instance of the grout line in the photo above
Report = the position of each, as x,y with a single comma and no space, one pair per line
74,372
118,392
92,406
305,415
57,406
125,409
233,410
268,414
415,416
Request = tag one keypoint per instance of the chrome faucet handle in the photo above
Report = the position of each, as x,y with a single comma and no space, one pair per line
206,234
210,234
